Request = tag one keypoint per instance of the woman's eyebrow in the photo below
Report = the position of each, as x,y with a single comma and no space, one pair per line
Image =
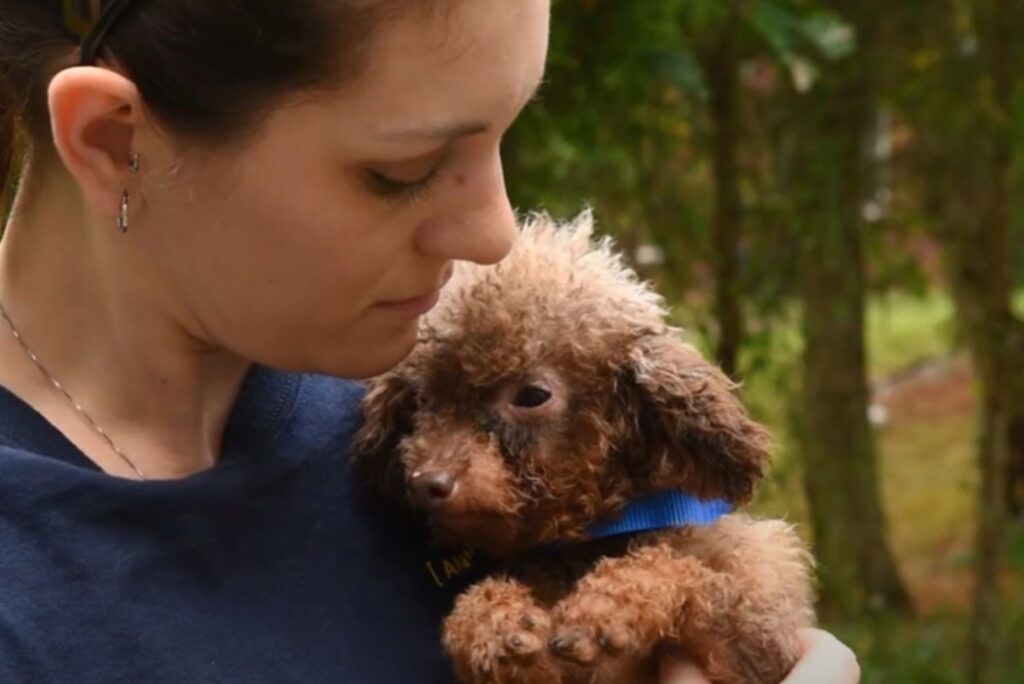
448,131
443,132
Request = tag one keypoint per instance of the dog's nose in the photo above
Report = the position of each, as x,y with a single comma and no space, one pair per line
433,488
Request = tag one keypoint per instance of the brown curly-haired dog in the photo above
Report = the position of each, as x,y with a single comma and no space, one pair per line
546,393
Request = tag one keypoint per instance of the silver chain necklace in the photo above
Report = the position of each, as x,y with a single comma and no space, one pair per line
60,388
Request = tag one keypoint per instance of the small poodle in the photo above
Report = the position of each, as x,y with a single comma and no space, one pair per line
552,419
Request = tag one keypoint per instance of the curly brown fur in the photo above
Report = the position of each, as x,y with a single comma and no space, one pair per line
545,394
732,595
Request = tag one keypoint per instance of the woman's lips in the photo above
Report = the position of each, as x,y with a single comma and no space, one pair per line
416,306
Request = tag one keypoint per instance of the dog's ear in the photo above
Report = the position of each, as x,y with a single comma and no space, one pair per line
693,433
389,409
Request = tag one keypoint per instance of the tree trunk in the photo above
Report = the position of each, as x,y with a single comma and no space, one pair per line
966,152
721,66
1008,60
1014,487
978,237
975,238
841,480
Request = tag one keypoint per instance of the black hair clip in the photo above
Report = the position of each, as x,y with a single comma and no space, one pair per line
80,20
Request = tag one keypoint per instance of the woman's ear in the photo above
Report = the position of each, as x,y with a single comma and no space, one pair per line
695,434
94,116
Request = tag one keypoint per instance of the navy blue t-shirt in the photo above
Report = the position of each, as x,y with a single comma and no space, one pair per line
266,568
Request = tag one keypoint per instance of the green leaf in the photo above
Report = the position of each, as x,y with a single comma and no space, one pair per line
831,35
679,67
698,15
789,33
778,25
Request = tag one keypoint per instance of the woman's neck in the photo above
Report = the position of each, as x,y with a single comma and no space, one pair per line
111,334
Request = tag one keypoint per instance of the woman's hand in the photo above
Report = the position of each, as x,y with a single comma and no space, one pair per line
826,660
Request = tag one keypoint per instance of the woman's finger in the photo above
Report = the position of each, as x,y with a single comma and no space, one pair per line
826,661
675,670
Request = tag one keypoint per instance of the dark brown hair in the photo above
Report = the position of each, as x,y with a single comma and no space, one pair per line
208,70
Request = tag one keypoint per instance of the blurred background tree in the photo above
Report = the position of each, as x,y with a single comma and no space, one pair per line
829,196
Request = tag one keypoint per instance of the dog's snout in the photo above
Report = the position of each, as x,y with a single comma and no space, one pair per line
433,488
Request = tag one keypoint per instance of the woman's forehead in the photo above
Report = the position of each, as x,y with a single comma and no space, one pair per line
480,61
429,80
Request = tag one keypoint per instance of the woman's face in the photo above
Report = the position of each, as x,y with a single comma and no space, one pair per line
319,245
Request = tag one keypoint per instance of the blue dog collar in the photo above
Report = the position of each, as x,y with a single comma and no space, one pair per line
662,510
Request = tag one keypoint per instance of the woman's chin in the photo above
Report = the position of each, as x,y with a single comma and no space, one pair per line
370,357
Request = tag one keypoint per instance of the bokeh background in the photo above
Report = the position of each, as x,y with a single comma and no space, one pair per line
831,197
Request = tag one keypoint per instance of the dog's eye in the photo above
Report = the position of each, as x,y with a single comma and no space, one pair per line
531,396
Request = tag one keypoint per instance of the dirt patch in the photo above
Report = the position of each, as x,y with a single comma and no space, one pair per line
926,413
932,389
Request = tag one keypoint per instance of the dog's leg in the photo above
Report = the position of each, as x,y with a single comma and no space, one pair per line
629,606
498,633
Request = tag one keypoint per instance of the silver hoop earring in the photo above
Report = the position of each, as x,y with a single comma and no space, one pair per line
122,220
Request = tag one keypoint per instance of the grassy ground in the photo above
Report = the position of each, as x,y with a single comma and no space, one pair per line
924,402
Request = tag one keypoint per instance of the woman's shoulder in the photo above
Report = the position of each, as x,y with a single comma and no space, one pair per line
276,543
332,397
293,412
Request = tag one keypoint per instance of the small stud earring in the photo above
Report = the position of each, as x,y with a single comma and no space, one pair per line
133,164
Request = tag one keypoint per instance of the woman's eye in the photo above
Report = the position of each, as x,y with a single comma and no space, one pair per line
531,396
395,189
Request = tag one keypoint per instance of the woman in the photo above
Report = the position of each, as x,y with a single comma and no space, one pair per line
211,190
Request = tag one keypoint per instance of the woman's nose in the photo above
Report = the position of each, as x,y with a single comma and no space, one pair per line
481,226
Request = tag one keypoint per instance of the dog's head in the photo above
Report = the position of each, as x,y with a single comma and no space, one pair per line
546,393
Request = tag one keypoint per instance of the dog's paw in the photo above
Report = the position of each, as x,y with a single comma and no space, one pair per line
589,627
620,611
509,645
498,634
